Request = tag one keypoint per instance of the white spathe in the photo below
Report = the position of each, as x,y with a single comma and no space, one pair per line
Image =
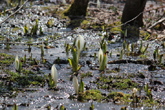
80,43
134,90
75,84
63,1
100,56
98,3
54,74
16,63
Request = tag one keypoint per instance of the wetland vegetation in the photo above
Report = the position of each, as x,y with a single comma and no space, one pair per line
49,61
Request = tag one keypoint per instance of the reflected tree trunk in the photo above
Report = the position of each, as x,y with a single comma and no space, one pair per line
132,9
77,8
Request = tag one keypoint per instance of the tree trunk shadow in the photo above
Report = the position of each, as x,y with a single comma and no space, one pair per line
133,33
75,21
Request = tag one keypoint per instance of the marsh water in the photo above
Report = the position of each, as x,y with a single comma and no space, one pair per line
40,97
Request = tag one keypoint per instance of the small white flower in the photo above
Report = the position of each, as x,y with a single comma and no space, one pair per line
80,43
134,90
16,63
98,3
54,74
63,1
100,56
75,84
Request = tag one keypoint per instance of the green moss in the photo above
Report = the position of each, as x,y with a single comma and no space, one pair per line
6,60
115,82
157,27
15,29
27,72
2,37
88,74
24,80
112,71
118,97
148,103
35,83
143,56
91,95
116,29
85,22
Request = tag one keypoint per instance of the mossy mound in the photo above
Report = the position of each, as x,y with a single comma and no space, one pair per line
118,97
13,81
117,82
6,60
91,95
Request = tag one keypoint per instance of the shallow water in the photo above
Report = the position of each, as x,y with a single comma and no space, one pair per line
40,98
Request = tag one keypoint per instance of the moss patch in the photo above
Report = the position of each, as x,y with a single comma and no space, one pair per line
2,37
6,60
25,80
91,95
88,74
116,82
15,29
118,97
14,81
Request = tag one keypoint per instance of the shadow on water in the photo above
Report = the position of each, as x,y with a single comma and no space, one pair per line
75,21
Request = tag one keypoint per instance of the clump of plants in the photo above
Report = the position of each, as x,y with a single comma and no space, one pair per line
53,77
102,55
118,98
126,49
85,95
76,49
18,64
34,30
157,57
50,23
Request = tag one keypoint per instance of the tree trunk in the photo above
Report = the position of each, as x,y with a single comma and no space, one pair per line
132,9
77,8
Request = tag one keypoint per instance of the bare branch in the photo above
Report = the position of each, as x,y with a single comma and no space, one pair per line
14,12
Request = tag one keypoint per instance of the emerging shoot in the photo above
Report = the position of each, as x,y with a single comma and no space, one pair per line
54,75
75,84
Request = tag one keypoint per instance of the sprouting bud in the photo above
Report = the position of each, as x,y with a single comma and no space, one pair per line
134,90
75,84
80,43
100,56
63,2
54,74
17,63
98,3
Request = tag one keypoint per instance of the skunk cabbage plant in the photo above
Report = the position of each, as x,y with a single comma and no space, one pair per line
100,56
54,74
16,63
80,43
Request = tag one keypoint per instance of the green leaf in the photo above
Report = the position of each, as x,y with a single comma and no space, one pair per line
78,67
141,46
145,49
70,62
81,87
15,107
62,107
